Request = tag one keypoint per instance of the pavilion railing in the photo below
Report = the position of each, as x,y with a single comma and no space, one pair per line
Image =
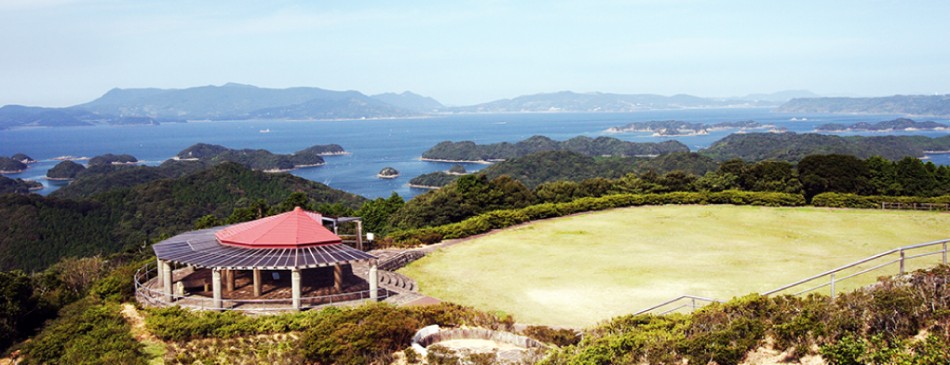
905,258
148,295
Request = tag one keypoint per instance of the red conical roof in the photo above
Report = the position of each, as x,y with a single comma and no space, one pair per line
298,228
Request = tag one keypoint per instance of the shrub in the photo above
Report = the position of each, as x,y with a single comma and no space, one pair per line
86,332
559,337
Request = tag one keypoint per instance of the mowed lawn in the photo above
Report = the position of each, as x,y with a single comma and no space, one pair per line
582,269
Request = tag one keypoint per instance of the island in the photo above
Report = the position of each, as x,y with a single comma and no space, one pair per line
896,125
457,169
324,150
793,147
11,166
66,170
23,158
468,151
110,159
388,173
18,186
676,128
260,159
432,180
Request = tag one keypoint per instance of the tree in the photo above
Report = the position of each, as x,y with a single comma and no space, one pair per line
16,304
376,214
716,181
915,178
882,177
557,192
833,173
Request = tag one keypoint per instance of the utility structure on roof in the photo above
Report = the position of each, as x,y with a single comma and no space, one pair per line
296,242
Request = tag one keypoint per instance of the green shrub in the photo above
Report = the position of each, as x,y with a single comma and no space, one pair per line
846,351
86,333
559,337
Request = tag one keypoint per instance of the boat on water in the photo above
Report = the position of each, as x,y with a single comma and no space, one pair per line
265,130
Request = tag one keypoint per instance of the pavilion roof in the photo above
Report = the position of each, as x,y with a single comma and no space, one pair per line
294,229
286,241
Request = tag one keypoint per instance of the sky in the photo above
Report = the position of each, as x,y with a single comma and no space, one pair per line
67,52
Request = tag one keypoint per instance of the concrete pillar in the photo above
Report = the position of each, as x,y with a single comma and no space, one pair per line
295,286
359,235
257,282
229,274
166,270
337,277
216,286
373,282
159,271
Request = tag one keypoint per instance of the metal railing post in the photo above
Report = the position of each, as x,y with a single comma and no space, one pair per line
944,252
832,286
902,261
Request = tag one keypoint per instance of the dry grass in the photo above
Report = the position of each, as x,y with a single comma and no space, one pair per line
582,269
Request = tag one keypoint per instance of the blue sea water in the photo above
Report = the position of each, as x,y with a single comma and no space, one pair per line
375,144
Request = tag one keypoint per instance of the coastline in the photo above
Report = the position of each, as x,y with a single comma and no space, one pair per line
12,171
275,171
482,162
381,176
427,187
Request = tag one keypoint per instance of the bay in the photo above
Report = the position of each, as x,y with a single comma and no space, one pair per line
375,144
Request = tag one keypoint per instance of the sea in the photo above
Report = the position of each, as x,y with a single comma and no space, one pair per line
379,143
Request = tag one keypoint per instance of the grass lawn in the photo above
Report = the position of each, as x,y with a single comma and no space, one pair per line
582,269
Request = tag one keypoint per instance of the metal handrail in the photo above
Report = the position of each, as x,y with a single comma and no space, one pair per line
692,298
831,273
157,297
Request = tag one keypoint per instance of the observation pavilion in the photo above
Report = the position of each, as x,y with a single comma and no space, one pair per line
259,254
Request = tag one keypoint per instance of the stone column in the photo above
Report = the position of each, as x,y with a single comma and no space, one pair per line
295,286
337,277
166,270
216,286
257,282
373,282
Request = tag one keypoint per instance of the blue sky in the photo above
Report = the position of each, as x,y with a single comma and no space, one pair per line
64,52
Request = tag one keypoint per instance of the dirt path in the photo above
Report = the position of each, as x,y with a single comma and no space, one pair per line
154,347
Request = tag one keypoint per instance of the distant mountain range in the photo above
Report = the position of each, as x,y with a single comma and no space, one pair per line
150,106
899,124
227,102
927,105
568,101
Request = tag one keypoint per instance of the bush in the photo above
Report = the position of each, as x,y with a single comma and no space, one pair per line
85,333
558,337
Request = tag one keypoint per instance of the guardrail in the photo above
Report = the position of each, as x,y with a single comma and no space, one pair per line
692,304
155,297
832,278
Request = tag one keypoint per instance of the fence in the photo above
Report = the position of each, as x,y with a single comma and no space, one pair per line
906,258
915,206
147,295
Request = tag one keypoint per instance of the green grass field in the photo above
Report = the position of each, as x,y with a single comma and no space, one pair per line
582,269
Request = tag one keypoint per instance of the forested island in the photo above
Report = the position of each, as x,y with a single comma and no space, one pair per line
896,125
672,128
388,173
18,186
260,159
11,166
65,170
794,146
467,151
